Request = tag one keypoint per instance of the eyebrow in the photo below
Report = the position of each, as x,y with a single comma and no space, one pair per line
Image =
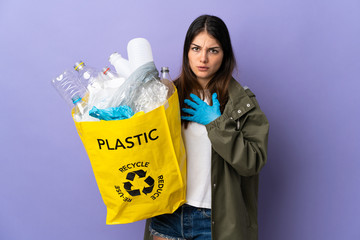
200,46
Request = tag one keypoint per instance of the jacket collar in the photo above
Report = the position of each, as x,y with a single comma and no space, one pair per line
239,100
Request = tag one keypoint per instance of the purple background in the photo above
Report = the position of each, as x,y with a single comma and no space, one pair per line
301,58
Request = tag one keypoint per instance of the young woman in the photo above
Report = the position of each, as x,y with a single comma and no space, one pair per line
225,135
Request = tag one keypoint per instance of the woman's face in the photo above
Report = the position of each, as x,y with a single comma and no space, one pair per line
205,57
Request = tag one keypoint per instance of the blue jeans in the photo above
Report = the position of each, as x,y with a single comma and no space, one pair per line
187,222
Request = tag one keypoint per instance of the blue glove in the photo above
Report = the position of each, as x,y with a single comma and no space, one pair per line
113,113
202,112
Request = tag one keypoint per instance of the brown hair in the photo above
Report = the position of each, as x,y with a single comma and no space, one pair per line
187,82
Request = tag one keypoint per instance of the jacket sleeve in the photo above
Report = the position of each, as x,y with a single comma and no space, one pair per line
240,137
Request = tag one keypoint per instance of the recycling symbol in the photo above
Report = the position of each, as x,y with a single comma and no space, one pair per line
141,174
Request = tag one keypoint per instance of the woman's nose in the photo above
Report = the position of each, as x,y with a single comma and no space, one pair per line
203,57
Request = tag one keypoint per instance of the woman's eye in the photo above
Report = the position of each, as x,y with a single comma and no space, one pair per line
213,51
195,49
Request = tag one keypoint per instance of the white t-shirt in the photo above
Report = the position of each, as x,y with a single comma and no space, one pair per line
198,153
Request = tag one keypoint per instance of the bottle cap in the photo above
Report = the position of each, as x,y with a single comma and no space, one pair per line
164,69
105,70
79,65
76,99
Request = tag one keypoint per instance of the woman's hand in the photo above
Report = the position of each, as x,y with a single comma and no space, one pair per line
202,112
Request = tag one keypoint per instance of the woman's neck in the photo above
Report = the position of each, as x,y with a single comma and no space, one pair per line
203,83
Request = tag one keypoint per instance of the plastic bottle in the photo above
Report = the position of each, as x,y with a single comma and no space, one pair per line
139,52
108,74
69,87
88,76
166,79
111,79
122,66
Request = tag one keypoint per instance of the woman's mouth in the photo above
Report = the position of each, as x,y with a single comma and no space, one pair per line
202,68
